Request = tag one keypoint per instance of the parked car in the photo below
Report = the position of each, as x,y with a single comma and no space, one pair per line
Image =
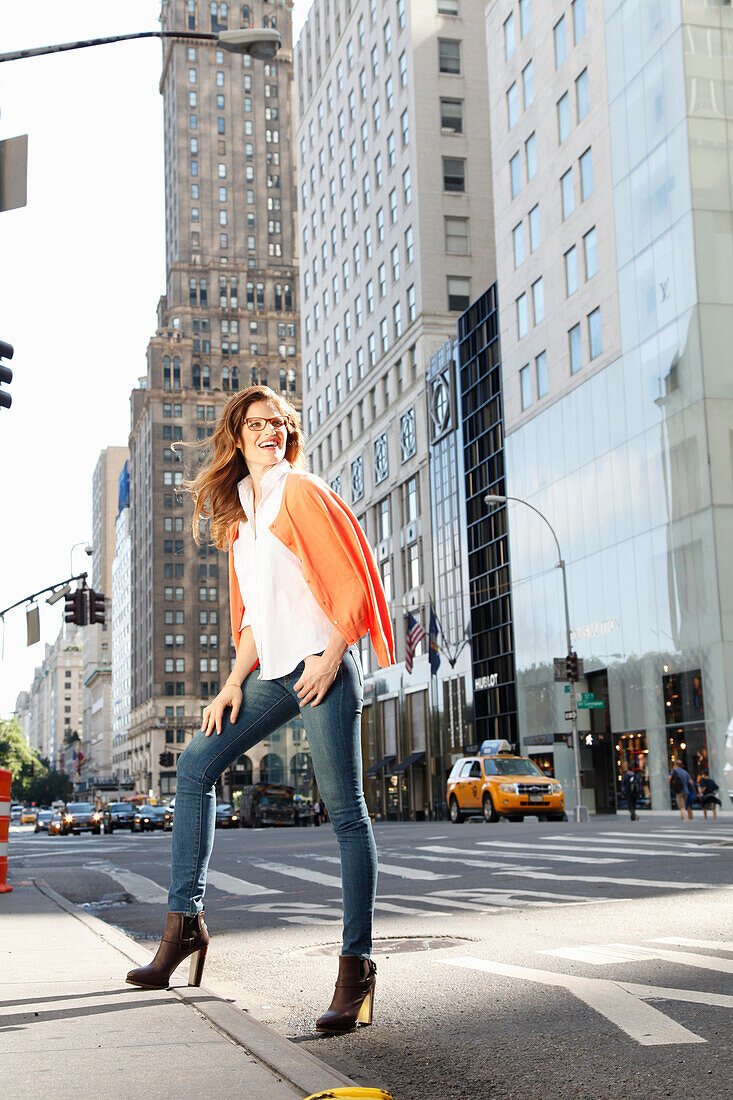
502,784
42,819
77,817
226,817
15,811
267,804
28,815
118,815
148,818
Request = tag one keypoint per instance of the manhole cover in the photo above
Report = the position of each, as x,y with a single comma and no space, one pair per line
395,946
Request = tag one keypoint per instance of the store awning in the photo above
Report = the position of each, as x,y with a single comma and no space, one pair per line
413,758
376,768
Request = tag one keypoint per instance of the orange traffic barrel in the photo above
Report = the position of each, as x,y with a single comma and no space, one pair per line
6,779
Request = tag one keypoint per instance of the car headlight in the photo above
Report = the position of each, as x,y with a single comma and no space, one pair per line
68,817
147,819
96,817
509,788
556,788
234,817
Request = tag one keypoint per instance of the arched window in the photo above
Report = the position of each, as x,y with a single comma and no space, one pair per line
203,292
235,378
191,8
205,377
291,381
271,769
278,296
254,376
233,291
246,18
166,372
263,377
225,378
196,376
288,297
250,296
260,295
192,287
176,373
283,381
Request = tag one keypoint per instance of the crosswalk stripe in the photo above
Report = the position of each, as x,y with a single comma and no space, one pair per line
305,873
412,910
393,869
630,850
486,863
618,881
645,846
532,854
142,889
229,884
682,941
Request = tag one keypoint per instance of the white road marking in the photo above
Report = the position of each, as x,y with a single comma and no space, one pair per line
641,1022
681,941
593,848
142,889
634,847
661,993
300,872
680,958
391,869
231,885
655,883
473,862
519,851
411,910
600,955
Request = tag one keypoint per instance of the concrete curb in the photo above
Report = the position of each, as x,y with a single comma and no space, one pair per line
298,1067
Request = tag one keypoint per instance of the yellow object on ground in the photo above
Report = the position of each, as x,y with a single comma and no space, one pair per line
352,1093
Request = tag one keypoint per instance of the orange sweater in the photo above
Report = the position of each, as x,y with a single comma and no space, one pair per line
336,559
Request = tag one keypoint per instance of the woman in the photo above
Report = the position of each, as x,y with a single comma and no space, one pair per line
304,588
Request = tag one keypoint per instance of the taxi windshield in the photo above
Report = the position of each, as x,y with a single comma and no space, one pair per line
514,766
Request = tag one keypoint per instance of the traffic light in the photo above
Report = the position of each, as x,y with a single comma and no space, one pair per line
166,759
571,666
75,607
6,375
96,607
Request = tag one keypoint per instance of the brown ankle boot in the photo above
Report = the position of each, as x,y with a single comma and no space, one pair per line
353,998
183,936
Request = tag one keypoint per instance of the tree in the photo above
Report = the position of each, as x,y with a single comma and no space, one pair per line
45,789
17,755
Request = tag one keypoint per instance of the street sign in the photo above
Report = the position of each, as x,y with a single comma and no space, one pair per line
558,664
571,715
591,704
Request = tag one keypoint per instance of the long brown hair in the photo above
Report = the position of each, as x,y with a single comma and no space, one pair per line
214,488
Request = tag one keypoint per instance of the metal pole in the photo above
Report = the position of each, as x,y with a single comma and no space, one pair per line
42,51
573,700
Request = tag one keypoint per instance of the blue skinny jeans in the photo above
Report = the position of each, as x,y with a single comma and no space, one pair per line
333,729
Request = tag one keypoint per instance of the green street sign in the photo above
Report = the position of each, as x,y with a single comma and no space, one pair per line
590,704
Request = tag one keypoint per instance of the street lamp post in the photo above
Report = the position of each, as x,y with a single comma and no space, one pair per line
581,812
88,550
261,42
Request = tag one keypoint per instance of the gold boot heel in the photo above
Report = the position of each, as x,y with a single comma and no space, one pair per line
367,1008
196,968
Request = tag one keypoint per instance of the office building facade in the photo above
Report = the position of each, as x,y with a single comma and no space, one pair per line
614,257
392,149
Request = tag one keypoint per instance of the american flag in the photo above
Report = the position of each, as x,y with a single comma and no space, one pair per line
415,635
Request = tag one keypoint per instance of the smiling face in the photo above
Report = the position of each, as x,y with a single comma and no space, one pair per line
263,447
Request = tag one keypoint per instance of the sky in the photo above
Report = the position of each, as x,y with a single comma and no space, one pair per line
82,267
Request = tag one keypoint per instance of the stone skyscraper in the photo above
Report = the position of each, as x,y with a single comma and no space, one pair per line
228,318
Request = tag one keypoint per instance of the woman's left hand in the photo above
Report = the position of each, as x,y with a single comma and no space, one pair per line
316,679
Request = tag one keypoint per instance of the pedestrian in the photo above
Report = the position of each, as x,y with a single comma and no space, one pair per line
304,588
680,784
632,789
317,812
708,789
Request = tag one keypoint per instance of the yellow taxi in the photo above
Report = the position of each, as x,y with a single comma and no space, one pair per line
28,815
497,783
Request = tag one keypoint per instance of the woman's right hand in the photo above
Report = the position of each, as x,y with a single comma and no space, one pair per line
211,719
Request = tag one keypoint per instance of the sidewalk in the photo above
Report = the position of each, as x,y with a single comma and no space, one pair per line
71,1025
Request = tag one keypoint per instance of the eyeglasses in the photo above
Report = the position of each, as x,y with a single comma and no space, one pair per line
257,423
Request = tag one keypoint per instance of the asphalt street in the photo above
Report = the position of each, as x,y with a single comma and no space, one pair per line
586,960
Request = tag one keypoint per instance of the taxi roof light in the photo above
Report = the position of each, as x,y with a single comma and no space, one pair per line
493,748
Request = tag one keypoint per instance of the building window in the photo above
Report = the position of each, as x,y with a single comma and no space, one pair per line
411,308
578,20
357,479
590,248
541,373
518,240
522,316
459,293
571,271
454,174
512,105
582,95
538,301
528,84
509,41
525,386
530,149
449,56
563,117
595,340
407,186
576,359
381,462
445,7
525,17
586,175
408,444
515,175
456,236
451,116
561,42
534,228
403,69
566,191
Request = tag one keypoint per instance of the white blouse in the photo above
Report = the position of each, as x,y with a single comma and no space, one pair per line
287,623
